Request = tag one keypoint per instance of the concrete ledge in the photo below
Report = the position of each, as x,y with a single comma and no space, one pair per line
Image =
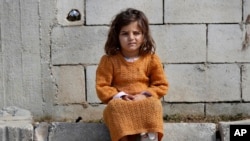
59,131
224,128
189,132
16,124
16,131
78,132
65,131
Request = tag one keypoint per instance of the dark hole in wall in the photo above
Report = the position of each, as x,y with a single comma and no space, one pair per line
74,15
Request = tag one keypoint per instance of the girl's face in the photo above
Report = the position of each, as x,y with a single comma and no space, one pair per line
131,39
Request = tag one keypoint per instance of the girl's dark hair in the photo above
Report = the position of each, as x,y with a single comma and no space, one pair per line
112,45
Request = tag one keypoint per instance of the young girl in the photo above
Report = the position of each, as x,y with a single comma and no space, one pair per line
130,80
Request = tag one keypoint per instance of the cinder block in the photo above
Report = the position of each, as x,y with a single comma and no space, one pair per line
199,83
70,81
231,109
78,45
225,44
63,9
246,82
78,132
16,131
205,11
187,83
91,91
102,12
189,132
246,12
72,112
183,109
180,43
20,133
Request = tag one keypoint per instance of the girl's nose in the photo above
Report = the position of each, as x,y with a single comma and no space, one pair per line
131,36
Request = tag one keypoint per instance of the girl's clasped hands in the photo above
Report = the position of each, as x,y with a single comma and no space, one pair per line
136,97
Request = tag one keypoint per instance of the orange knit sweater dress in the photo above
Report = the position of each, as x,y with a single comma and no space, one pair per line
114,74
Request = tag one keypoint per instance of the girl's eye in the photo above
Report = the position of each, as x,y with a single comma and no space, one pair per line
137,33
124,33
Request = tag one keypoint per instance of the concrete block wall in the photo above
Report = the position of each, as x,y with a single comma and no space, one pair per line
47,63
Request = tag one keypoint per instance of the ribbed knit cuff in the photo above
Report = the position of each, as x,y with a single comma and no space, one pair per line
119,95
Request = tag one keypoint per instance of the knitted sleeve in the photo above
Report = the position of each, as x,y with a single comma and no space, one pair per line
158,86
104,76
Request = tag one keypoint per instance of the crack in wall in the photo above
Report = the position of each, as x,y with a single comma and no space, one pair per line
0,36
246,41
40,50
241,81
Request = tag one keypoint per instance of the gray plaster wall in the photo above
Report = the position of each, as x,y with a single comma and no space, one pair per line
47,64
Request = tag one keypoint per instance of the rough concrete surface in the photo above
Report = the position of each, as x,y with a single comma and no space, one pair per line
224,128
17,124
48,63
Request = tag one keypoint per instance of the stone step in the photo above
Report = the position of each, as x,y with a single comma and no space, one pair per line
65,131
17,125
99,132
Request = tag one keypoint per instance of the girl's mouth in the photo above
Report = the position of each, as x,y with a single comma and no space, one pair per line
132,43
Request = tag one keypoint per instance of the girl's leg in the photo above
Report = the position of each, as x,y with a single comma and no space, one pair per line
134,137
131,138
125,138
